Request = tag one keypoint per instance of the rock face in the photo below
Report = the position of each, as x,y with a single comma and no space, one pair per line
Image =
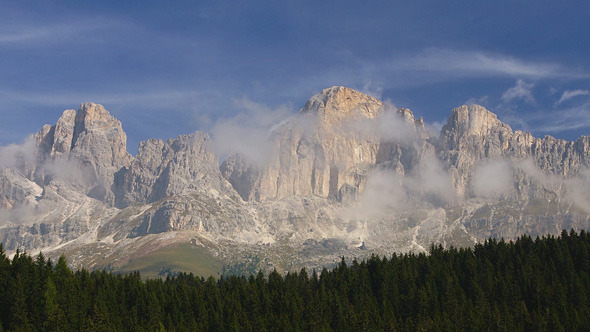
162,169
328,149
318,154
240,173
92,142
473,134
347,172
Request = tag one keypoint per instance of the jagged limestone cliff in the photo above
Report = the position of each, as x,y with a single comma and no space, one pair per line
347,175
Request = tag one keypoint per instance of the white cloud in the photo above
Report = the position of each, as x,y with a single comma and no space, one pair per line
371,88
248,132
530,169
393,128
433,65
56,32
19,155
565,119
151,98
433,182
435,127
383,193
38,33
569,94
521,90
70,171
390,125
579,190
483,101
492,178
478,63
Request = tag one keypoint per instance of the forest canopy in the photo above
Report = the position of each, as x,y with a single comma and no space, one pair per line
528,284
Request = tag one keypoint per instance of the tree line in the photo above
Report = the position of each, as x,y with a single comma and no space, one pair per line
529,284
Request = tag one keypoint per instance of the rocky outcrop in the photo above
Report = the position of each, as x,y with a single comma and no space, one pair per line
161,169
240,173
91,143
473,134
16,190
329,148
346,172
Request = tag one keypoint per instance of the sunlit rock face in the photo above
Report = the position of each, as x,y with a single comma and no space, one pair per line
346,172
85,148
329,148
473,134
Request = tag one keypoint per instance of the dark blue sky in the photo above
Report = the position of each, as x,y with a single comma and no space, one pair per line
170,68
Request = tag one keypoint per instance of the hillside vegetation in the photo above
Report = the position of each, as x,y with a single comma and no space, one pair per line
529,284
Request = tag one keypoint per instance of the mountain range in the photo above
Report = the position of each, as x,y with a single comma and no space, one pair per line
348,175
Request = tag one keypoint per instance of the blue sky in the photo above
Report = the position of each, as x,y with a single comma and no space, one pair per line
170,68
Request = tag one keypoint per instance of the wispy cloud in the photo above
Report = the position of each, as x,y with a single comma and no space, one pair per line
52,32
431,65
152,98
248,132
521,90
483,101
566,119
372,88
569,94
480,63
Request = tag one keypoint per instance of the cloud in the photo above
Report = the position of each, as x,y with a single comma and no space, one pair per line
390,125
492,178
457,63
43,33
522,90
21,213
384,192
19,155
151,98
530,169
70,171
432,182
248,132
435,127
573,118
579,190
483,101
569,94
415,69
393,126
39,33
577,187
371,88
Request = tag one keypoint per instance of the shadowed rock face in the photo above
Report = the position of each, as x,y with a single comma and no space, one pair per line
161,169
346,169
240,173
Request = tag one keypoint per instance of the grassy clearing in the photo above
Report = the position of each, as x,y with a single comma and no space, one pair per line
181,257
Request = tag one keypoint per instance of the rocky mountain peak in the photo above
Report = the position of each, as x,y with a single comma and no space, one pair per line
64,132
340,102
473,120
348,173
92,111
474,126
332,155
93,117
92,140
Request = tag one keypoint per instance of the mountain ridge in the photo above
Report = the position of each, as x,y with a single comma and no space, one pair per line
346,172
